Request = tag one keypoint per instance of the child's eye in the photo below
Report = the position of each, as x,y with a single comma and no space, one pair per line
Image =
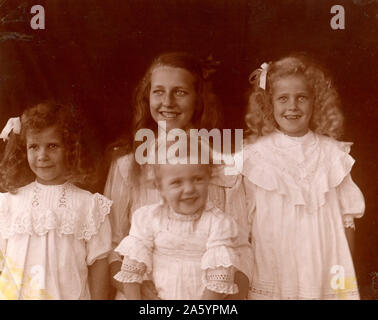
53,146
198,179
282,99
302,98
180,92
32,147
158,92
175,183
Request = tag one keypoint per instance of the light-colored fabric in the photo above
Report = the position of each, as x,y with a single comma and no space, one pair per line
178,252
225,192
131,271
302,195
52,233
221,280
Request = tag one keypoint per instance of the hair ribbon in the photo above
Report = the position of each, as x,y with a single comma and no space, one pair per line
12,124
262,72
209,66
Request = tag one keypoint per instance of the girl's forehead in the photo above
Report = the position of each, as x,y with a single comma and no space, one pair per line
52,133
171,75
183,170
291,81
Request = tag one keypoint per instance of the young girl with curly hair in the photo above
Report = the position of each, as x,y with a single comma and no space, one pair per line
176,90
298,179
54,236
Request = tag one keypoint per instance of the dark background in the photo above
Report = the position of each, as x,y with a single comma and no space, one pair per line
93,52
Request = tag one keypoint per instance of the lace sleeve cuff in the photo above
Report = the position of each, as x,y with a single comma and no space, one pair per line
221,280
131,271
348,220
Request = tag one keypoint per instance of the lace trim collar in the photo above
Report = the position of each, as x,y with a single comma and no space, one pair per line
39,220
281,139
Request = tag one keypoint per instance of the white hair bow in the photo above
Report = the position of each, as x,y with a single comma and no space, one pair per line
263,71
12,124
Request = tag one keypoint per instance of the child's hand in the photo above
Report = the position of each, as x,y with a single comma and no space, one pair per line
115,267
243,284
148,291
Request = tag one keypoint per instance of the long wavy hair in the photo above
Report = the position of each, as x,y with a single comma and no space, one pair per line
206,115
79,162
327,118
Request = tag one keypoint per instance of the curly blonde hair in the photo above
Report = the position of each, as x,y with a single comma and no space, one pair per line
327,118
80,166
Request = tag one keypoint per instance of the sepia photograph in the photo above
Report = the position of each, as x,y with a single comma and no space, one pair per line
188,150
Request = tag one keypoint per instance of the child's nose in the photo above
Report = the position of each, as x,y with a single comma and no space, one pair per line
188,187
168,99
293,104
42,154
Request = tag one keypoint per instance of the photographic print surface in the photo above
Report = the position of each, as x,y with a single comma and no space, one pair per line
93,54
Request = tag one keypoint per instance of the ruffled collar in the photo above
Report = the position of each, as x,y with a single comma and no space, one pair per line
302,168
283,140
298,149
39,208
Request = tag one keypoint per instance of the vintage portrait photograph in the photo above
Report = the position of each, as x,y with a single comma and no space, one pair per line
188,150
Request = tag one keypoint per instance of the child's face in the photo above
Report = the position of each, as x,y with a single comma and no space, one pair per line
46,156
184,187
172,97
293,104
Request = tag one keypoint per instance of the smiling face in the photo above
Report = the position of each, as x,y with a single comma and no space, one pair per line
184,186
172,97
46,156
293,104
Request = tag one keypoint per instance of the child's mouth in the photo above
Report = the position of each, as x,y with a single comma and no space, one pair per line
169,115
189,200
292,117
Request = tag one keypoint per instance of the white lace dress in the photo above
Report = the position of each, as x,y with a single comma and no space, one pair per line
303,198
182,254
225,192
49,235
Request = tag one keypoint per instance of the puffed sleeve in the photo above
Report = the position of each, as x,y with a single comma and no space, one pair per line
351,201
99,245
221,260
137,247
117,190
